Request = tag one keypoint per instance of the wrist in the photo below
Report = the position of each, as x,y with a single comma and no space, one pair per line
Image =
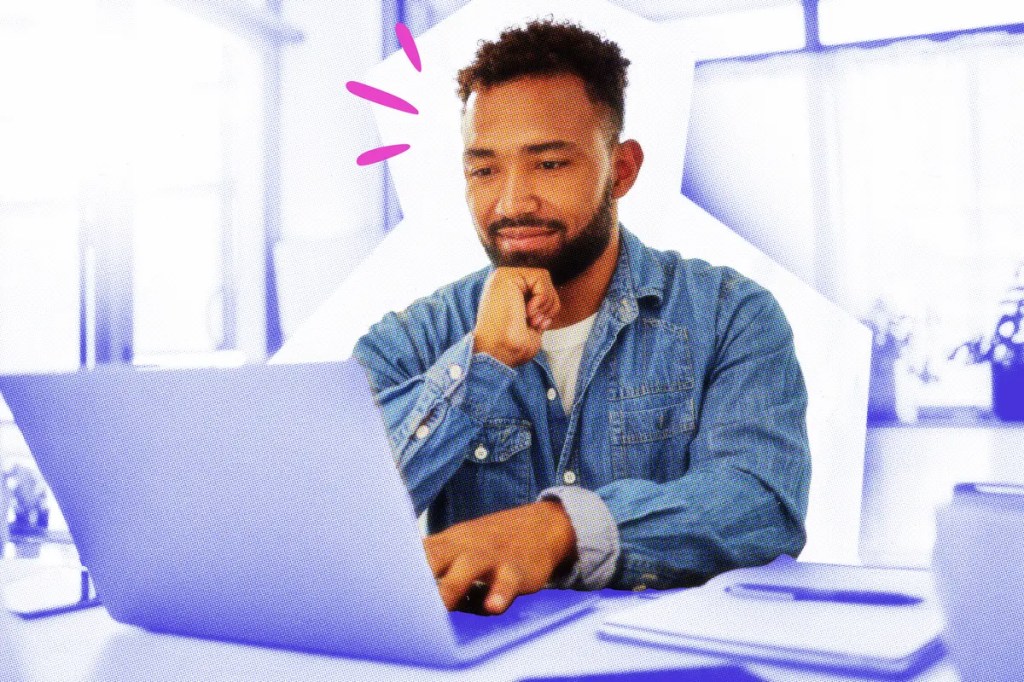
560,533
496,351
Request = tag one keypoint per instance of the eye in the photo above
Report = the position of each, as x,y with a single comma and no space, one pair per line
553,165
480,172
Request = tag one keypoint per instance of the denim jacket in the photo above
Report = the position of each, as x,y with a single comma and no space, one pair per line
685,453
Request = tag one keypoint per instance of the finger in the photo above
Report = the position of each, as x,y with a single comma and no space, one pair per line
544,299
539,293
550,304
538,321
535,305
439,554
550,311
504,588
461,575
538,283
541,308
543,304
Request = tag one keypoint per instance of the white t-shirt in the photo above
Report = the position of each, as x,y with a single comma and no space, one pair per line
564,348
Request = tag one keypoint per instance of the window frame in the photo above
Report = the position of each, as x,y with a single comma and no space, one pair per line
106,310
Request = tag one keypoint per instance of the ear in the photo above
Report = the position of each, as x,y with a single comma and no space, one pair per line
629,156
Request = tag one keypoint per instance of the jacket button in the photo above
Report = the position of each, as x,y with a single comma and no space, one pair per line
480,452
569,477
422,432
552,394
455,372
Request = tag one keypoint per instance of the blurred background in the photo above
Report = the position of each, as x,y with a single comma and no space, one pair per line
178,188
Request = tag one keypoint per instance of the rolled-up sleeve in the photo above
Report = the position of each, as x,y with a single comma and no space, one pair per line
597,538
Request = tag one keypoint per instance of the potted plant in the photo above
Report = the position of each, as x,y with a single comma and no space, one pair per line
1004,351
892,393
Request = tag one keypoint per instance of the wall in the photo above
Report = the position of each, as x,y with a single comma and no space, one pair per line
331,208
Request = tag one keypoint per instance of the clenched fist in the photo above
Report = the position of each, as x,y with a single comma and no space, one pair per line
517,305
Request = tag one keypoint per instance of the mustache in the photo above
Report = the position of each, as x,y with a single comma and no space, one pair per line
524,221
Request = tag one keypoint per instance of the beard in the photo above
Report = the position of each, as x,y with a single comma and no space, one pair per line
572,258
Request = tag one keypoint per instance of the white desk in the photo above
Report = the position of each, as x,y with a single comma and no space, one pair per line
89,645
909,470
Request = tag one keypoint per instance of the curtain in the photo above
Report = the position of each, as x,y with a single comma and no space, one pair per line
884,177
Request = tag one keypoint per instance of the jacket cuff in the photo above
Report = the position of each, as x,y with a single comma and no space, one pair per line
639,573
597,537
473,382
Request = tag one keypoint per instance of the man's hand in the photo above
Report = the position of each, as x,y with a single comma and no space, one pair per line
517,305
513,551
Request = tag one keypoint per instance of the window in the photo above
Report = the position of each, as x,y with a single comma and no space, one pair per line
887,173
850,21
756,29
136,135
194,153
133,147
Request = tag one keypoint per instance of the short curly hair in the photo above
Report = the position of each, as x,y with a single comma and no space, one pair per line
545,47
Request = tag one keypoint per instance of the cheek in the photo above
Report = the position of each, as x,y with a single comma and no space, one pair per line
479,206
587,186
579,197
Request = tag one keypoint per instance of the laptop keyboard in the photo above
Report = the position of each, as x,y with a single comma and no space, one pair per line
469,627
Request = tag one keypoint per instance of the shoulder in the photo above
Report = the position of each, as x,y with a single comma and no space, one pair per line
407,342
458,295
437,317
710,296
705,284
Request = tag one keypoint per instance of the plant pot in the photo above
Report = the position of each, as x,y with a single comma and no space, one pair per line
892,395
1008,391
882,389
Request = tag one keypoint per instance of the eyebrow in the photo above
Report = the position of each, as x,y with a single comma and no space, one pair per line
477,153
539,148
548,146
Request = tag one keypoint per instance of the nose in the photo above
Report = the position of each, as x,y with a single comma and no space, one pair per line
517,196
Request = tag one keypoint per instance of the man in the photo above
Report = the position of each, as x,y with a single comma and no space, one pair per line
588,412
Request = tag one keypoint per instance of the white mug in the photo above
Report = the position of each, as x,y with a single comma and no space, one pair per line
978,565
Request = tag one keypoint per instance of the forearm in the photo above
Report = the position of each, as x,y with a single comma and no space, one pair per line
637,533
434,417
683,532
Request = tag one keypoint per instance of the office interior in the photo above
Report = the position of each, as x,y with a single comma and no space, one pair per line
178,187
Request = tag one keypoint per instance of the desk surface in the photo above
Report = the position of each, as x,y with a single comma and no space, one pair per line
89,645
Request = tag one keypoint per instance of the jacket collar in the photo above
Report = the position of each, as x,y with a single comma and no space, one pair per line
639,274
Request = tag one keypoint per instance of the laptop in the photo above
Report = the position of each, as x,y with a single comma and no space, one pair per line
256,504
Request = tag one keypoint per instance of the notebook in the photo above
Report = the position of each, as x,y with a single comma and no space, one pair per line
257,504
854,637
704,674
718,673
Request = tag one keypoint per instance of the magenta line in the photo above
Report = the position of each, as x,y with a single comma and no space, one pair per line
408,44
376,96
381,154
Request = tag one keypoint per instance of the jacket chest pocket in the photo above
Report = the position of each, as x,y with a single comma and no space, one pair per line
652,424
497,470
653,360
652,412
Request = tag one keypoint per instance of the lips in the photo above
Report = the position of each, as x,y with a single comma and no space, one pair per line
524,238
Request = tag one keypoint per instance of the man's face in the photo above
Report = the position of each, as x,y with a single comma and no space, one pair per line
538,170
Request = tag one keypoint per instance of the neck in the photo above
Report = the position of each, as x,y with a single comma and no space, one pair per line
582,296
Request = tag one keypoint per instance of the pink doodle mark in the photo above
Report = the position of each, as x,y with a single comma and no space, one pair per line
408,44
368,92
381,154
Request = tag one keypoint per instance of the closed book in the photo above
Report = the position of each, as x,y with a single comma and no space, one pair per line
837,634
